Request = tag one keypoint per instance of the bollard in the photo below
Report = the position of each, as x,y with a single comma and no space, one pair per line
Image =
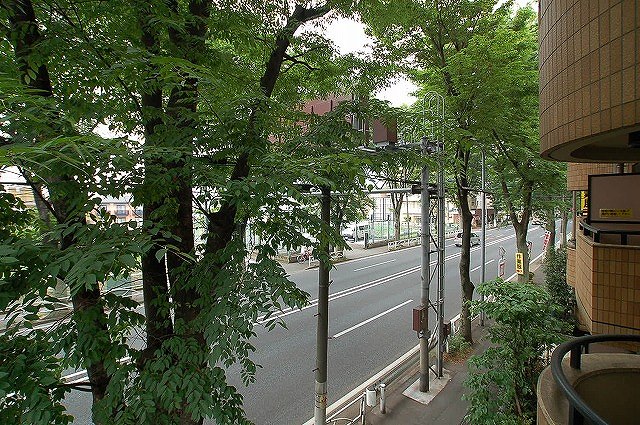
383,404
371,396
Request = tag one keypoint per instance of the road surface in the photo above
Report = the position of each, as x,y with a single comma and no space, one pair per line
370,306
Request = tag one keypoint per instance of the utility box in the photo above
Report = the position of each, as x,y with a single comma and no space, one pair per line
446,328
418,314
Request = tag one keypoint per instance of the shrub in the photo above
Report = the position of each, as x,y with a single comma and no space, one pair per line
458,345
555,270
502,380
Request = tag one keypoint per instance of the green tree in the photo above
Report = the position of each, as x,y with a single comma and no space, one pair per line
497,72
502,380
555,280
202,94
426,37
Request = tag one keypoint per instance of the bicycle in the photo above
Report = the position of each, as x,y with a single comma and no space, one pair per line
304,256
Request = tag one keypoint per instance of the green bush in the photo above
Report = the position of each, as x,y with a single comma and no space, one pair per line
458,345
502,380
555,270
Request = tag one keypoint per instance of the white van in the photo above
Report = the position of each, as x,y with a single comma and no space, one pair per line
475,239
355,232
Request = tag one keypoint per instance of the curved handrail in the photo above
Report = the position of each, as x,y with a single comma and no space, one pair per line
594,229
576,403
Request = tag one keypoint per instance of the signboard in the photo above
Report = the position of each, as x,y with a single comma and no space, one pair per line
616,213
519,263
613,198
547,237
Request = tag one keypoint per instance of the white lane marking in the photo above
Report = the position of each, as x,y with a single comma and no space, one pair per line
373,265
343,293
377,316
349,291
478,268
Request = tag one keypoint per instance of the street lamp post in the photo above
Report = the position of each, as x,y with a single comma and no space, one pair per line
322,333
484,234
425,278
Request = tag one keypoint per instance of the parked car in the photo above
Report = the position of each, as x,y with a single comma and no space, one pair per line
355,232
537,221
475,239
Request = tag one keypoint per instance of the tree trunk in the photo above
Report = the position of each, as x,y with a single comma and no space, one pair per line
159,325
43,211
521,246
88,309
467,287
551,228
396,221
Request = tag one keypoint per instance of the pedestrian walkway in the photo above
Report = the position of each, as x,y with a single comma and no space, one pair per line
357,251
447,407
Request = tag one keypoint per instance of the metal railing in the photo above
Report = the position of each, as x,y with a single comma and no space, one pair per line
595,233
579,410
403,243
379,387
335,418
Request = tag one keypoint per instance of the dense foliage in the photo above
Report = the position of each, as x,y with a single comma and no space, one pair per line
502,380
194,109
555,280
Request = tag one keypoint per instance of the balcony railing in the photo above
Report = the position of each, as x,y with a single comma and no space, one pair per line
579,410
596,233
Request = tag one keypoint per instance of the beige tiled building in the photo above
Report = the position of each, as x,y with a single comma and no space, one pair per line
590,117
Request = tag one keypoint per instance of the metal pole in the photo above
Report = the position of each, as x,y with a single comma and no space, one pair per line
484,235
383,398
425,237
322,334
574,218
406,200
441,256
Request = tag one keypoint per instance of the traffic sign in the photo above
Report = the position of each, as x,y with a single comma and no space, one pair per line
547,237
519,263
501,268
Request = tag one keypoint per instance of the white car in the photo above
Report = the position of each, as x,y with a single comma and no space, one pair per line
475,239
356,232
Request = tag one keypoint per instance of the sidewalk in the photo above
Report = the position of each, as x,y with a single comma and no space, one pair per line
447,407
357,251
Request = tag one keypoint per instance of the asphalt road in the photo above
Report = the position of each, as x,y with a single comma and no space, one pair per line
371,300
370,306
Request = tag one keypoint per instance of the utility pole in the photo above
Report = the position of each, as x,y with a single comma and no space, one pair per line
322,333
434,106
441,253
425,277
484,235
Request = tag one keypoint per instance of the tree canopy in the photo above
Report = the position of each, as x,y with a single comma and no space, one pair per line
204,99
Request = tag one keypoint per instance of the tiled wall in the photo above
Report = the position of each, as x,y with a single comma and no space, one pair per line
578,173
608,285
589,65
571,266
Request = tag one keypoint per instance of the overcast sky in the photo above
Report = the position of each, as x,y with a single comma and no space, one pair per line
349,37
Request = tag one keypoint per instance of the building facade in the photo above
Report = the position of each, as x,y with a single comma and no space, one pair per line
590,118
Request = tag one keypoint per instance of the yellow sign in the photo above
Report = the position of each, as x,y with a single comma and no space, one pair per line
519,263
616,213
